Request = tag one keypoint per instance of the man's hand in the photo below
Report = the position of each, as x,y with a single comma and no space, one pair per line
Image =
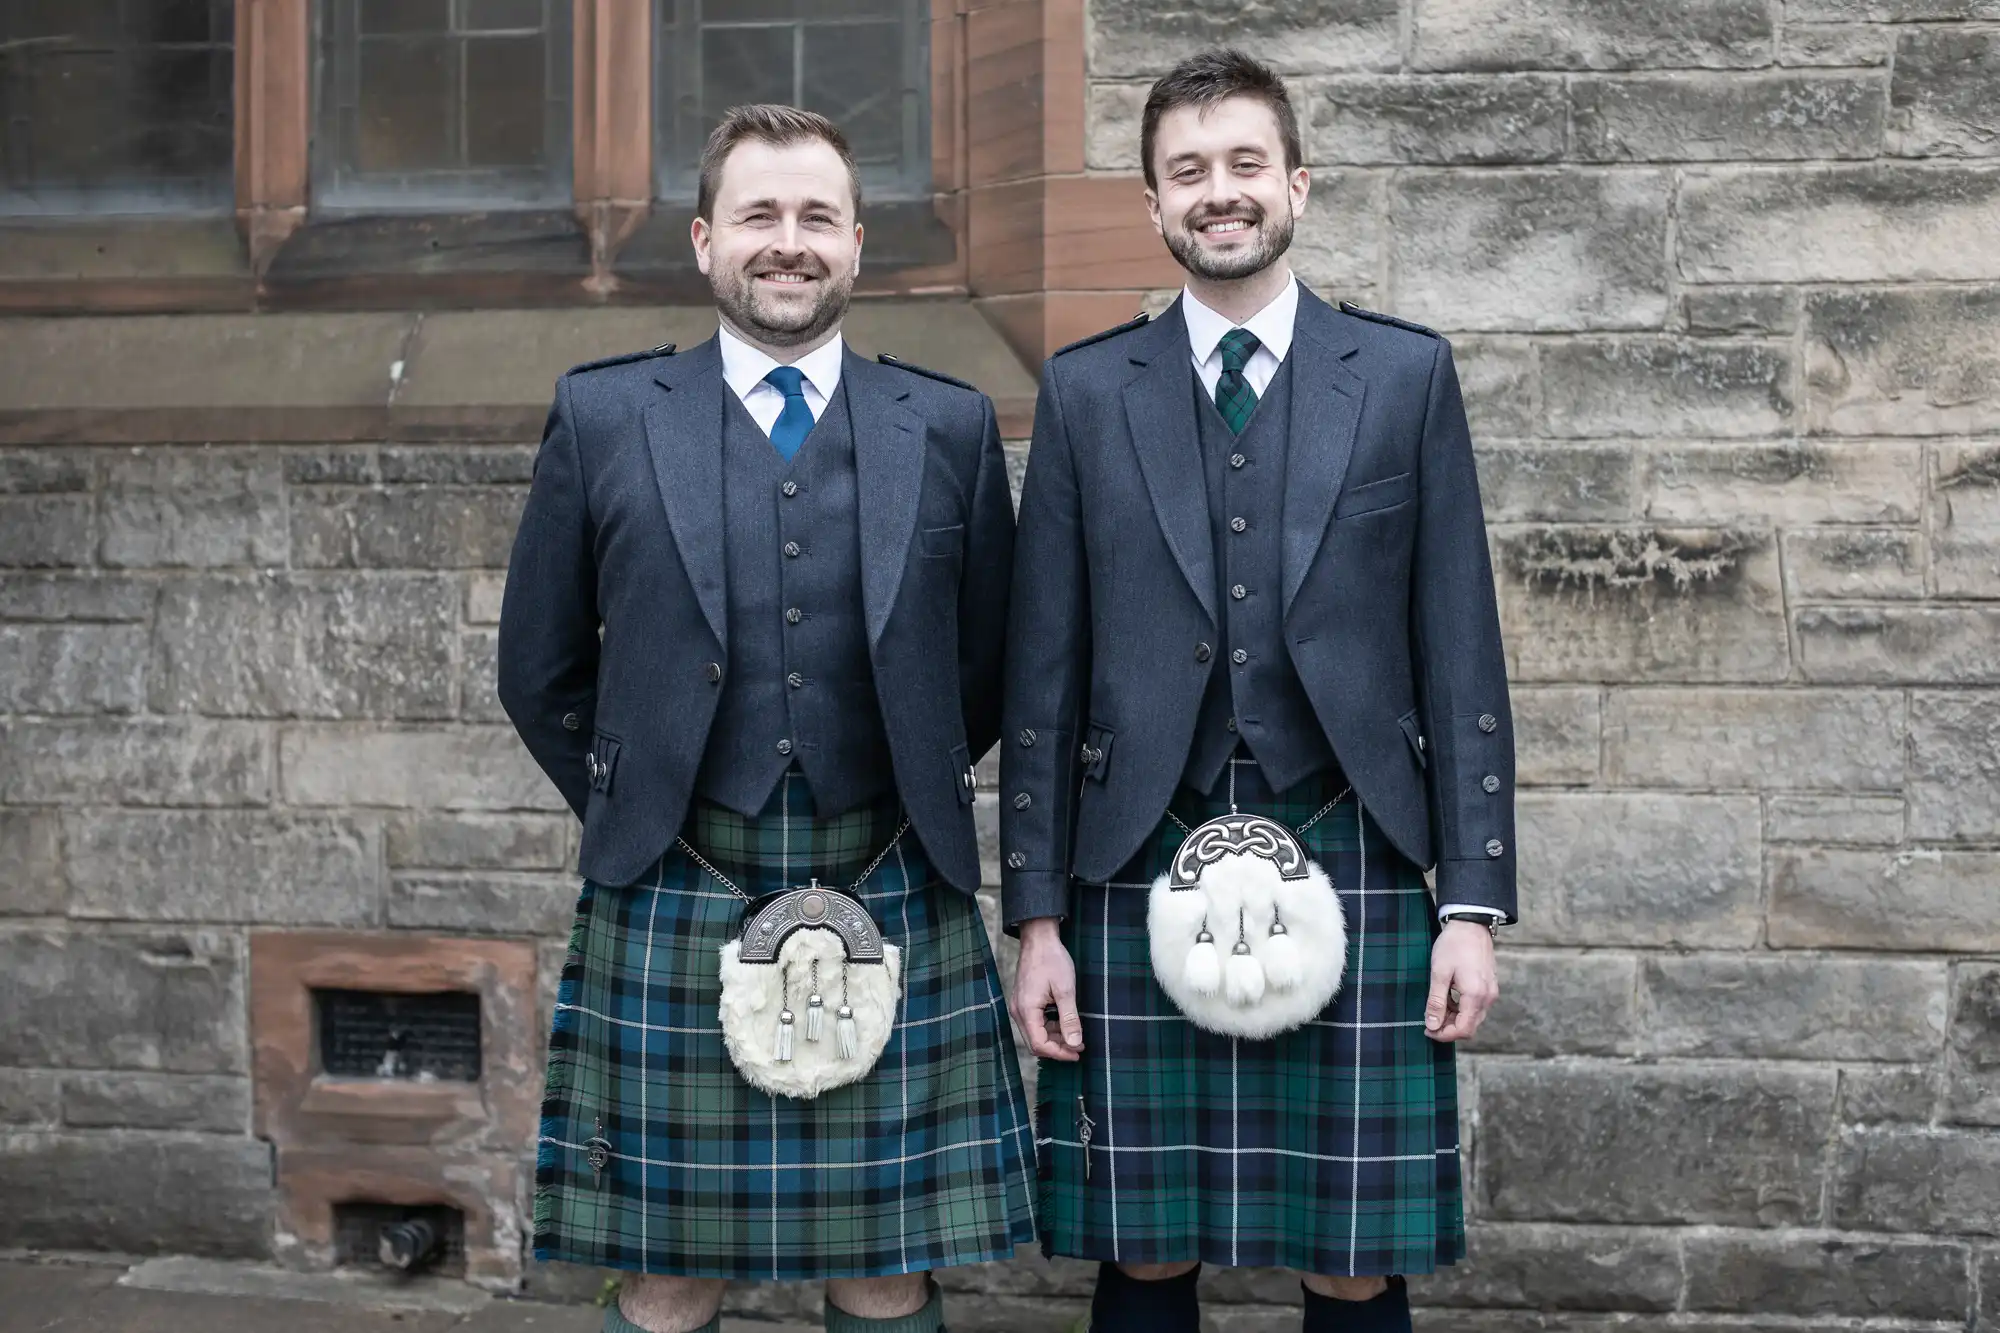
1464,982
1046,976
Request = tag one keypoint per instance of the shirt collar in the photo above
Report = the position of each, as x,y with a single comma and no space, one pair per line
1272,325
743,366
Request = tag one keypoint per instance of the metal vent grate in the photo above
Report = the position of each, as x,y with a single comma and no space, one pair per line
357,1234
375,1034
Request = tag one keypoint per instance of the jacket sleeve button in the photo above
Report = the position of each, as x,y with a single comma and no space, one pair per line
1490,783
1027,737
571,721
1494,847
1015,860
1487,722
1022,800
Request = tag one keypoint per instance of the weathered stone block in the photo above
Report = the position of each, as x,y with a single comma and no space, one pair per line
1639,869
72,668
1846,45
1935,1181
1738,1145
1918,899
136,1193
1887,1094
1558,734
1875,223
1436,119
1577,482
1965,520
1989,1290
1683,117
1111,118
1786,485
458,768
138,761
1945,98
1532,250
392,464
1918,645
1130,38
47,471
200,507
76,597
1666,387
31,871
1591,34
479,677
1564,1004
1864,563
287,646
1337,247
30,1097
1955,766
44,531
1860,820
1538,1267
1905,1279
419,840
405,527
1839,739
270,868
1972,1069
1685,604
167,1000
1794,1008
1496,377
1922,361
483,594
1740,310
489,903
194,1102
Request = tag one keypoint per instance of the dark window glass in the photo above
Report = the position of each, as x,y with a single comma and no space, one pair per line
116,106
442,103
865,64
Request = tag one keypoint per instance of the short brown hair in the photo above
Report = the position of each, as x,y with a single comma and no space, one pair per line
779,126
1209,77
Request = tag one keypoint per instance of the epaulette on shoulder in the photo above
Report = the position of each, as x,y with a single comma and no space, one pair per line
664,349
1126,327
1350,308
900,364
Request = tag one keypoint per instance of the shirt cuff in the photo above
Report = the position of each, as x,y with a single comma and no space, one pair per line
1494,912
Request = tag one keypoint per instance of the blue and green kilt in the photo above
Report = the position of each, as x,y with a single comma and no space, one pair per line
925,1163
1331,1149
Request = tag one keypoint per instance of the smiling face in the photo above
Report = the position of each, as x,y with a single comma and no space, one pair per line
1224,202
781,246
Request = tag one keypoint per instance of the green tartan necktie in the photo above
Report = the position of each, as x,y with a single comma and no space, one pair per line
1234,397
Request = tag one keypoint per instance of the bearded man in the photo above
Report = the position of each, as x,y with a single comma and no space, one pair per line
752,632
1254,685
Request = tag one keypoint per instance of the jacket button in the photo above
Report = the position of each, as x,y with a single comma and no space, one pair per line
791,550
590,765
1237,460
1239,592
1494,847
1015,860
1490,782
714,673
1239,524
1201,651
1487,722
1239,656
784,747
793,615
1022,801
1091,754
571,721
1027,737
795,680
790,489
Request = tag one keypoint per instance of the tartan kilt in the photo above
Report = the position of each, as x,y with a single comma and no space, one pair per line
1330,1149
923,1164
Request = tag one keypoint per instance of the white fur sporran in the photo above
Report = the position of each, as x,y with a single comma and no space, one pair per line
809,991
1248,937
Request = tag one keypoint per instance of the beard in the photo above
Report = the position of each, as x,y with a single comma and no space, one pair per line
1268,239
771,318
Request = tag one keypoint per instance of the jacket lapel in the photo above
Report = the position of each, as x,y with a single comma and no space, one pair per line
1159,410
1326,408
684,433
889,476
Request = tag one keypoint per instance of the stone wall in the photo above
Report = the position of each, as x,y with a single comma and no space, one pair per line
1724,281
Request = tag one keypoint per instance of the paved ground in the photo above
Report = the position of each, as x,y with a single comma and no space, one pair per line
89,1298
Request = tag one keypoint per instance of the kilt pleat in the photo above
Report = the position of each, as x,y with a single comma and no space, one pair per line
1331,1149
925,1163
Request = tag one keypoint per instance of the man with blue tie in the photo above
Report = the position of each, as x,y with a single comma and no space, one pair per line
752,632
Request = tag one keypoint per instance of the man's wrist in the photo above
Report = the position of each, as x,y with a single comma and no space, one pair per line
1038,927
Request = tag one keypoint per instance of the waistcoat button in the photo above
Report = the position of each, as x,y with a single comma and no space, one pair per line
784,747
1201,651
790,489
714,672
791,550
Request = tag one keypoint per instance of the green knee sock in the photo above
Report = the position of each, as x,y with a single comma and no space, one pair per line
616,1322
930,1319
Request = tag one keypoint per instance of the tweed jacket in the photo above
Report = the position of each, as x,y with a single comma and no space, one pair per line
614,639
1388,607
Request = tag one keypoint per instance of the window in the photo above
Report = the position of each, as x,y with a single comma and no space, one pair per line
865,64
442,103
116,106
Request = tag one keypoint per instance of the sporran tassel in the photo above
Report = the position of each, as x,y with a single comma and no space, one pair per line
785,1037
815,1018
1204,965
847,1039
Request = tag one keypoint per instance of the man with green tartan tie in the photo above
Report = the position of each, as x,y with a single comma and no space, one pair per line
1253,617
752,632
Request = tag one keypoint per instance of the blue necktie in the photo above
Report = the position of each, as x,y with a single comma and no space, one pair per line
796,421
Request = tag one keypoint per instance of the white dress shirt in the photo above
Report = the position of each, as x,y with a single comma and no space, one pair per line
744,368
1273,326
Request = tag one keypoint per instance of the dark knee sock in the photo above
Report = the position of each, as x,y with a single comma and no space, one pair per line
1387,1313
1126,1304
